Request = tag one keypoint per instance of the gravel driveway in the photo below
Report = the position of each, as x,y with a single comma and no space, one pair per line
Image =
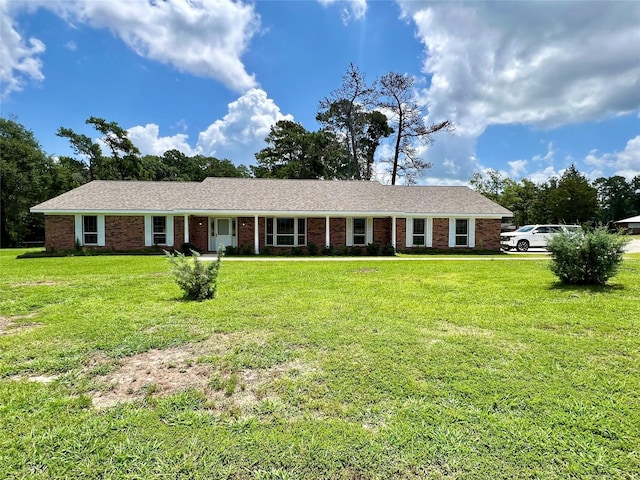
633,246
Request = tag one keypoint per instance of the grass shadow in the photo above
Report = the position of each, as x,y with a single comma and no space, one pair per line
586,288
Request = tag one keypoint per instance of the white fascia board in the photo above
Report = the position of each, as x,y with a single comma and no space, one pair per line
266,213
121,213
492,216
285,213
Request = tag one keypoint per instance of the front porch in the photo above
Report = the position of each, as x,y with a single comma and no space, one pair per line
208,233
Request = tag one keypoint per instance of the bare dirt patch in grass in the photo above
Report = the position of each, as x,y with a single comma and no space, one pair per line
161,371
8,325
42,283
158,373
366,270
448,328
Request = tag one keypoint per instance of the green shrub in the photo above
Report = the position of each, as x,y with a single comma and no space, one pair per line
586,258
388,250
373,249
247,250
266,251
197,279
313,249
328,250
187,248
231,250
297,251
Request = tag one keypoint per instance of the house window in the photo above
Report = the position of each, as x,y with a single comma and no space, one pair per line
159,230
286,232
359,231
419,232
462,232
90,230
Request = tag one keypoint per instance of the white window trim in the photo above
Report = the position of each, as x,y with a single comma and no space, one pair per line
148,230
471,232
368,234
80,227
296,232
428,232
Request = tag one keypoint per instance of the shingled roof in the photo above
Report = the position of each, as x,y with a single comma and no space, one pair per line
270,196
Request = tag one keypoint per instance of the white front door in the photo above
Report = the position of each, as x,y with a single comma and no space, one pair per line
221,233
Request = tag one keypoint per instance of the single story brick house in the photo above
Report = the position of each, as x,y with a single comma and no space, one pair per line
258,213
631,224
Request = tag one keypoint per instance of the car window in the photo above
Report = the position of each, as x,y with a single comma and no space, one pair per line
526,228
556,229
542,230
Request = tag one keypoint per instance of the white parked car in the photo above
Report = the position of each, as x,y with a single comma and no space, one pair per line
533,236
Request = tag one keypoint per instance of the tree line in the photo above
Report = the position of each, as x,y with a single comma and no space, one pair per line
29,176
568,198
355,120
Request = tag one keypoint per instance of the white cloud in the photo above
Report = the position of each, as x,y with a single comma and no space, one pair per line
542,176
241,132
625,163
149,142
19,59
354,9
202,37
517,168
541,64
237,136
523,62
453,159
548,157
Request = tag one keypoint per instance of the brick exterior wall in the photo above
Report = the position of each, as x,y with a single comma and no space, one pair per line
316,228
338,231
382,231
488,233
127,232
199,233
401,234
245,232
178,231
59,232
123,232
441,233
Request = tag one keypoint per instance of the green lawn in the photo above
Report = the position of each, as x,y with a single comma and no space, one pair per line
312,370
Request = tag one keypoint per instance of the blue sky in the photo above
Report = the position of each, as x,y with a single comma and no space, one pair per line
531,86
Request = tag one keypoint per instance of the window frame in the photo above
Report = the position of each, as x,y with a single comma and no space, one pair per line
464,236
149,230
422,235
355,233
159,233
273,236
86,232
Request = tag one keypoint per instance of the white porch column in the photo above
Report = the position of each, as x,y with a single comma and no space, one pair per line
186,229
327,239
256,235
393,232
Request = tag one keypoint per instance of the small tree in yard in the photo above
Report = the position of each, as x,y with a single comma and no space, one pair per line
197,279
586,258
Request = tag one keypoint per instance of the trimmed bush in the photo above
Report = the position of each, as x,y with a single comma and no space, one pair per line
197,279
187,248
373,249
231,250
313,249
589,258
